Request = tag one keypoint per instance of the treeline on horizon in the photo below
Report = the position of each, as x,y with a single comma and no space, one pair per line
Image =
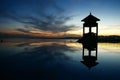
109,38
112,38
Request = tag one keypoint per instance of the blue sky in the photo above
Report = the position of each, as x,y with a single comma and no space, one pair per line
46,17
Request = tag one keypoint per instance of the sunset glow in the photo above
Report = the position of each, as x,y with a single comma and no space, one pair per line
57,18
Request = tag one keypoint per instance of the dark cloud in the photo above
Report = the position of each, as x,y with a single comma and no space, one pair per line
46,14
46,23
6,35
30,7
23,30
50,23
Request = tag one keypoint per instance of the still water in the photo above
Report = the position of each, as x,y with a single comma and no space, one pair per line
57,60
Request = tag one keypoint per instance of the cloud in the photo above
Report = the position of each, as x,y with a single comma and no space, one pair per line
47,17
50,23
6,35
23,30
46,23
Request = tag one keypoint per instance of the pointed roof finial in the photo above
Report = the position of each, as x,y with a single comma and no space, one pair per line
90,13
90,17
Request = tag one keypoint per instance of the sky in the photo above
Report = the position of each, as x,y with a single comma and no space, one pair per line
56,18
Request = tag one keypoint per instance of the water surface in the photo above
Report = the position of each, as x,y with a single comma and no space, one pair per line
57,60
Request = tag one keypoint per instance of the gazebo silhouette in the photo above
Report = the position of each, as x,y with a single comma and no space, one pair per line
89,22
89,41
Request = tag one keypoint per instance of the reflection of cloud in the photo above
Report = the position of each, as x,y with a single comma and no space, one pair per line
49,42
38,61
45,53
110,47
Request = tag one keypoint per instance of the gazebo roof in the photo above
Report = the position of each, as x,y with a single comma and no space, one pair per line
89,61
89,64
90,17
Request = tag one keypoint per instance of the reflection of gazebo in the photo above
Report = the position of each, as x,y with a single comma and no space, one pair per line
89,62
88,59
